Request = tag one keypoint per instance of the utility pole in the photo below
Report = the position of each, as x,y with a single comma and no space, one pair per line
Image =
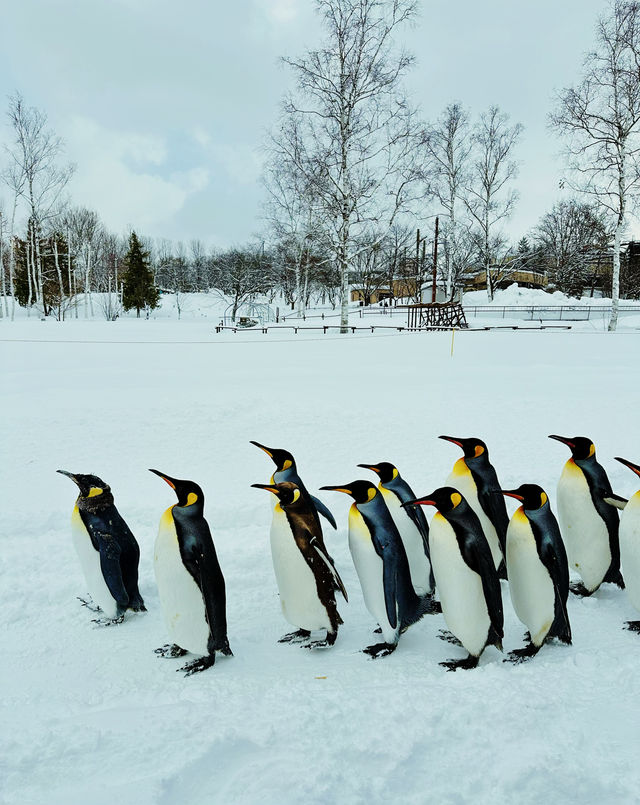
435,262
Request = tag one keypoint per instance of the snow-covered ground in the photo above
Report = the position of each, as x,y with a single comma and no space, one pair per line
92,716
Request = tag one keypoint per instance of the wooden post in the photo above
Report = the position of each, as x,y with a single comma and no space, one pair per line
435,262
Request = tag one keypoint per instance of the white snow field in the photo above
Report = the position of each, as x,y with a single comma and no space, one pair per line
91,716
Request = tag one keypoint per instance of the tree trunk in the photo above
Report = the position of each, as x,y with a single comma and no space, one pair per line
60,285
615,279
487,258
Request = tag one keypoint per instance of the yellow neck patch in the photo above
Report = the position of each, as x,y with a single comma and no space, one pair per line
543,498
592,450
296,495
394,474
94,492
456,498
191,499
286,464
479,450
371,493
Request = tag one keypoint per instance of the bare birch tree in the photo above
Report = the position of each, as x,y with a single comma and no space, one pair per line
600,121
35,175
352,134
449,145
488,198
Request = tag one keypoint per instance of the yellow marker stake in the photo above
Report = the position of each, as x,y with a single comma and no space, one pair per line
453,332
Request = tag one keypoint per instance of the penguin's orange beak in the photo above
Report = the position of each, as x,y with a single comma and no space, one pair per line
419,502
564,440
164,478
344,489
268,487
512,494
633,467
451,439
372,467
262,447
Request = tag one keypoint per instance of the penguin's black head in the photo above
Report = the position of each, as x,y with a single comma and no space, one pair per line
531,496
89,485
384,469
581,447
360,491
445,499
633,467
188,492
281,458
286,492
473,448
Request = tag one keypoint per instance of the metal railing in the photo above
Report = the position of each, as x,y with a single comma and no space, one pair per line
549,312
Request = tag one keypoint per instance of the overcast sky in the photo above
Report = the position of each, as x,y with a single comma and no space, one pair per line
163,105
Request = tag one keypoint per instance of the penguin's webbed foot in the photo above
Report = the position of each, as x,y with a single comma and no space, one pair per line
89,604
468,663
380,650
170,651
449,637
329,640
633,626
520,655
295,637
578,588
108,621
201,664
137,606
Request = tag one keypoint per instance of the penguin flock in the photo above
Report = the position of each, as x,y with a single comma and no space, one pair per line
456,565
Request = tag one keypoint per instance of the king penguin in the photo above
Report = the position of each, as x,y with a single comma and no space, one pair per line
190,583
630,545
286,471
538,570
476,480
305,573
466,577
109,553
411,524
588,523
382,566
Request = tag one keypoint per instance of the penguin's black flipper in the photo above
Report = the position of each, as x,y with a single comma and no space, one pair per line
495,508
110,565
322,552
478,557
202,563
389,583
322,509
558,570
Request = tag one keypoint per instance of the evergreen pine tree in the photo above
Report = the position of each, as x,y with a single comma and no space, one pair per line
139,290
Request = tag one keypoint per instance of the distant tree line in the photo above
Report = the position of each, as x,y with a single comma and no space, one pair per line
353,181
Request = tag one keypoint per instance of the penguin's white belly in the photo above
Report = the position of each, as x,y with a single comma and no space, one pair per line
530,586
584,532
412,540
460,588
180,597
90,562
462,480
369,567
630,548
299,598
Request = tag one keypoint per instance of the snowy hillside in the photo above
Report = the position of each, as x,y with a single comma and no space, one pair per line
91,716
